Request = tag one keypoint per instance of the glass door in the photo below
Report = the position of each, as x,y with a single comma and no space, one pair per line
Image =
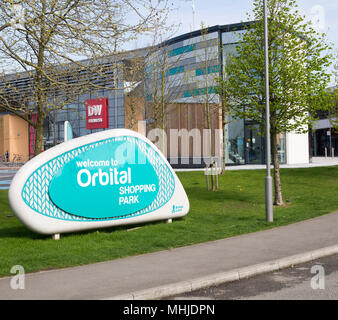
254,152
235,142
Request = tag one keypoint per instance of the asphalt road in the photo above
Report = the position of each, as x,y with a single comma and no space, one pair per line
6,177
297,283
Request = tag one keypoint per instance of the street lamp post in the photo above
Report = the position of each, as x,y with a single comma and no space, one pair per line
268,178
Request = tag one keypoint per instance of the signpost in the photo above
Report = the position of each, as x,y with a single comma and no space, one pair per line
105,179
268,178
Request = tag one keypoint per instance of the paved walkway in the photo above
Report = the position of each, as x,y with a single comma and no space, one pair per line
7,173
315,162
123,276
6,176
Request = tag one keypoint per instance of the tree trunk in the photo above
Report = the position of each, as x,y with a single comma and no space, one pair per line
40,92
276,171
40,118
208,125
39,134
41,115
224,139
132,112
163,120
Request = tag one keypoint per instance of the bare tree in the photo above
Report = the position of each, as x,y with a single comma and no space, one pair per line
134,101
164,75
63,46
205,91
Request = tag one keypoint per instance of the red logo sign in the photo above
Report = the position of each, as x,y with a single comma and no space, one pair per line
97,113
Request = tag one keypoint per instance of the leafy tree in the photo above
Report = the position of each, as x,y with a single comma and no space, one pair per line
298,60
333,114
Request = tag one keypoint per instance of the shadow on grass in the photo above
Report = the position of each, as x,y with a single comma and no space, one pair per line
128,227
24,233
20,232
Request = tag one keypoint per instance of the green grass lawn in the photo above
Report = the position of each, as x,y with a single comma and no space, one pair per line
237,208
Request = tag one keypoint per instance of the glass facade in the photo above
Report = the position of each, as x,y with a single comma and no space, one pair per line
325,143
191,64
75,113
189,68
244,143
281,147
234,142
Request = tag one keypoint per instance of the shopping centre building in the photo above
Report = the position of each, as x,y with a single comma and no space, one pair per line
325,137
177,88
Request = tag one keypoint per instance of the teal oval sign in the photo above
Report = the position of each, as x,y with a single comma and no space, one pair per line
111,180
108,178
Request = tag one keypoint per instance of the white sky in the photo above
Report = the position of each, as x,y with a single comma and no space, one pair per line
213,12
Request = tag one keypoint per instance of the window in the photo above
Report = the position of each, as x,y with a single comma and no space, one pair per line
208,70
176,70
199,92
182,50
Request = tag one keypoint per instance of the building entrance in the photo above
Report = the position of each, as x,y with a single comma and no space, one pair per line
254,144
325,143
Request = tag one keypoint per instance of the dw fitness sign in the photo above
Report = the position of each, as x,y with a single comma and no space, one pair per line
105,179
97,113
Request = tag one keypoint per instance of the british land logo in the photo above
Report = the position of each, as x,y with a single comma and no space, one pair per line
177,209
